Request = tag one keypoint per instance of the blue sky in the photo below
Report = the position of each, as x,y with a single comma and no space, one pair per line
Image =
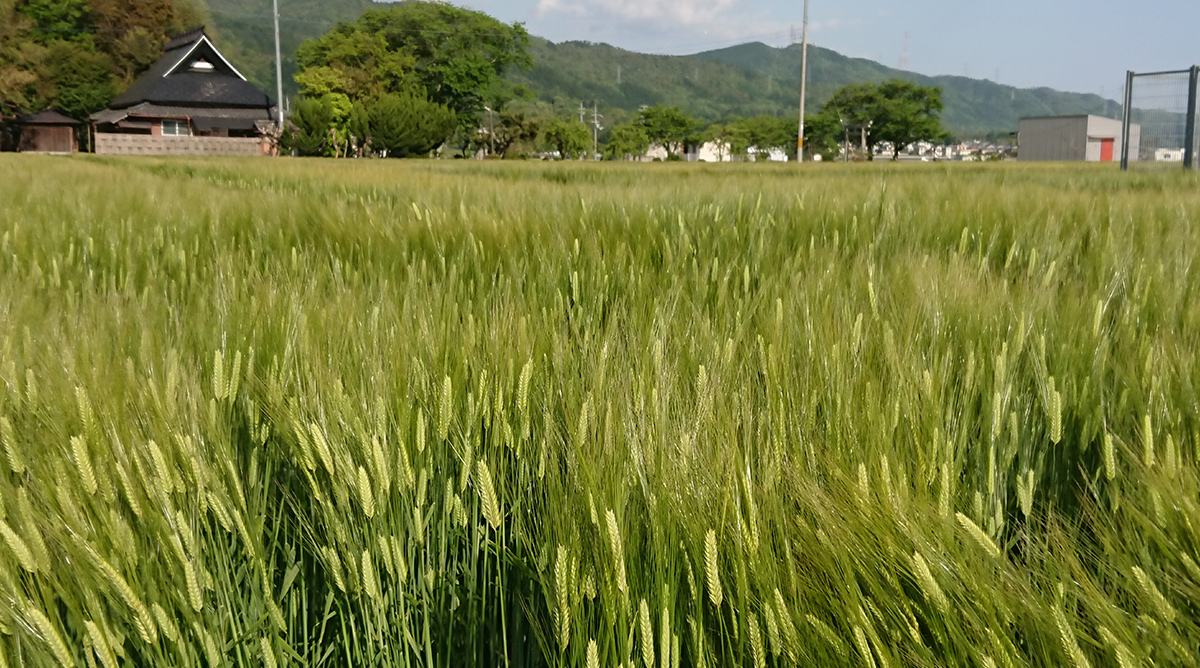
1075,46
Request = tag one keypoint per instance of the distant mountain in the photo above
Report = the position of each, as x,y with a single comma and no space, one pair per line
744,80
751,79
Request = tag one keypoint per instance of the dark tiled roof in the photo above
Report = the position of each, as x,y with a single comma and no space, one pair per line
185,39
171,80
47,117
147,109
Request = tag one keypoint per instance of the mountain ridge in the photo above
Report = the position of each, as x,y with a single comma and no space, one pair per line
742,80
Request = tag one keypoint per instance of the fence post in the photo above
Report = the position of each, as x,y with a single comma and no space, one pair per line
1127,120
1189,147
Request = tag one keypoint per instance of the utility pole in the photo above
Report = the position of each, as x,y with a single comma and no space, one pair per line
803,78
278,70
595,129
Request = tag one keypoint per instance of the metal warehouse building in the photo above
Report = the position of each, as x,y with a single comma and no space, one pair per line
1074,138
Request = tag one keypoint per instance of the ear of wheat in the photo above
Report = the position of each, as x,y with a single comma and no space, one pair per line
712,574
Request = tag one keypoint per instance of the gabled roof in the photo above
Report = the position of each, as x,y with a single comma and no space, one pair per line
176,79
47,117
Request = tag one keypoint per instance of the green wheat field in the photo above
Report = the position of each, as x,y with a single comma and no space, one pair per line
445,414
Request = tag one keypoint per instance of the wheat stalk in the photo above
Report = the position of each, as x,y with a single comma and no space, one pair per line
756,643
713,576
1159,602
647,636
15,462
444,406
561,578
165,624
1110,458
50,636
366,498
19,548
1125,658
978,534
933,592
614,544
593,654
863,647
370,580
1147,441
100,645
666,639
268,654
195,596
1070,645
488,502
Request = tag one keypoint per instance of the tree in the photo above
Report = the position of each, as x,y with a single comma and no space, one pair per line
767,132
822,132
569,137
354,63
406,126
459,54
895,111
359,127
669,127
908,113
627,139
313,119
512,127
82,79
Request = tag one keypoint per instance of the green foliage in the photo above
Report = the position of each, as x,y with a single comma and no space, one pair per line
82,79
354,63
627,140
404,126
908,113
56,20
513,129
313,120
359,127
76,55
459,53
272,412
669,127
569,137
895,111
822,132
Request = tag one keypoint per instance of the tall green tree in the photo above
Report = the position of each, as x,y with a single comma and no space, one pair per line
908,113
456,55
896,111
407,126
313,120
569,137
353,62
626,140
669,127
512,128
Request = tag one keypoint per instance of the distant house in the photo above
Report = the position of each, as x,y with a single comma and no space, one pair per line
46,132
192,101
1082,138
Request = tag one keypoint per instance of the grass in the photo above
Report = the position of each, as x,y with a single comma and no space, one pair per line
369,413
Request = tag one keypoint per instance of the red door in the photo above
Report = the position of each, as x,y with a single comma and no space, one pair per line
1106,150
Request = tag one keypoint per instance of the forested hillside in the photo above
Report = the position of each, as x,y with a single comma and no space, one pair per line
752,79
77,54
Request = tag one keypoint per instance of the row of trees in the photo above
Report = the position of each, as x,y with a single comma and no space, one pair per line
895,112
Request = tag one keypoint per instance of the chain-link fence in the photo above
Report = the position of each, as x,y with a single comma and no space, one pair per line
1160,119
